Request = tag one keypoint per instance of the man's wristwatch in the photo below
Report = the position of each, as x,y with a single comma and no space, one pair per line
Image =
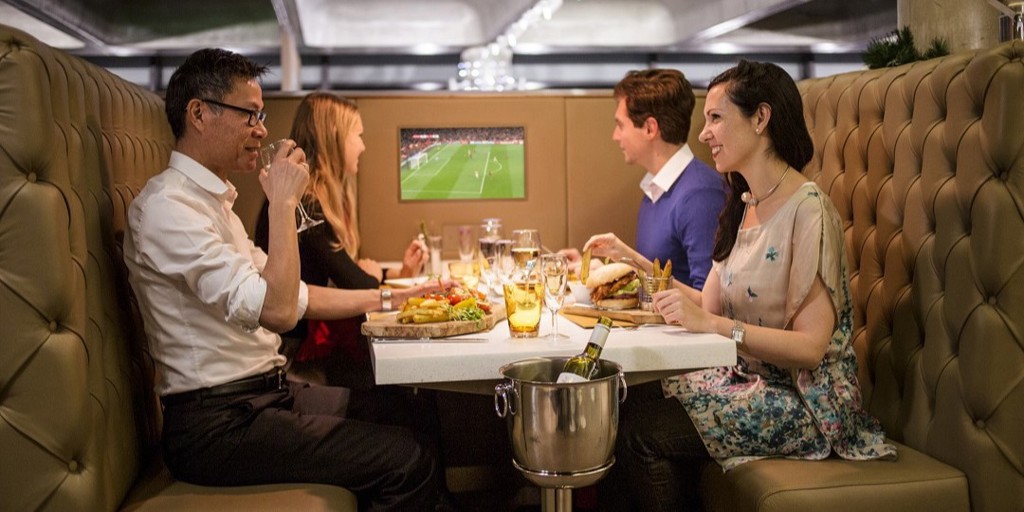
385,299
737,333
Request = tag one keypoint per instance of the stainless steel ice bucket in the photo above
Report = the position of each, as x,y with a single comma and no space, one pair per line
560,428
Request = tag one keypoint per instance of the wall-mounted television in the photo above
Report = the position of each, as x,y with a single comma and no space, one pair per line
462,163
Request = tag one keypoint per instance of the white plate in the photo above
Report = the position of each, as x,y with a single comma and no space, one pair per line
405,282
580,292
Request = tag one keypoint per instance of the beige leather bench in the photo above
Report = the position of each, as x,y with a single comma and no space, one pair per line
79,424
926,164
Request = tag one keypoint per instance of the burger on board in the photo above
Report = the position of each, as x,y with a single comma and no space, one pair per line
614,286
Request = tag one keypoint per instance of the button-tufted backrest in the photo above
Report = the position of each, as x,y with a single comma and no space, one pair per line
926,164
76,402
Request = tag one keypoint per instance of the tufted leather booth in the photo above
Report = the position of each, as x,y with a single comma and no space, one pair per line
78,419
926,164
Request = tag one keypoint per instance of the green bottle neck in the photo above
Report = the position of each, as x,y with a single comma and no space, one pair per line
596,343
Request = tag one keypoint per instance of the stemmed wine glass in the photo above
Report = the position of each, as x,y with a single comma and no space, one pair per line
267,156
554,269
525,246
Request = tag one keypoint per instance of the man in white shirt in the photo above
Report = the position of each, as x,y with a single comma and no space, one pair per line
212,304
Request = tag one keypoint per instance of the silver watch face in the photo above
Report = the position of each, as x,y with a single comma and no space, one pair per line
737,333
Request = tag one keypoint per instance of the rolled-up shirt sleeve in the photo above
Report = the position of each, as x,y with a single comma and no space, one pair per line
303,304
259,259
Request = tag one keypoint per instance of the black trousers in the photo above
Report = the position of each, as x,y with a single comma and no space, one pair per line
659,456
308,434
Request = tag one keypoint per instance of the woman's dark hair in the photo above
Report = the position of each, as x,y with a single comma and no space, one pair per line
208,73
750,85
663,94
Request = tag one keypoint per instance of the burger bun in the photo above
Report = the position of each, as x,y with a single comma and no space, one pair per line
623,303
607,273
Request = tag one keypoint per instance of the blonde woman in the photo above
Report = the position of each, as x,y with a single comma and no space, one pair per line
329,129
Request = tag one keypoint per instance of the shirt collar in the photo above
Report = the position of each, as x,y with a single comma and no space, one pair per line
203,177
654,185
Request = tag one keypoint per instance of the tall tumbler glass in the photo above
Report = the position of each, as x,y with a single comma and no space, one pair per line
466,248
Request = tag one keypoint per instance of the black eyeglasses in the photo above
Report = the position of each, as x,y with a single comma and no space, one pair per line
255,116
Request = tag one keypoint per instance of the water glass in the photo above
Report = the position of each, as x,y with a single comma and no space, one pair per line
487,264
504,264
436,265
466,248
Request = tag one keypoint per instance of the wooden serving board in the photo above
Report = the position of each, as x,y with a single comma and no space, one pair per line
389,326
629,315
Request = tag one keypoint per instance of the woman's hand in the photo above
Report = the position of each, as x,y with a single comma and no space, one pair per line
414,259
372,268
677,309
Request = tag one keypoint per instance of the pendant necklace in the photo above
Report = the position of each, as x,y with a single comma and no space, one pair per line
749,198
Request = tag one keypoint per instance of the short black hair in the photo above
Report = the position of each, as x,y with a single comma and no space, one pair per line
207,73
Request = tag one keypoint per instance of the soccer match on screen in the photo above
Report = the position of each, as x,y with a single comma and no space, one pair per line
462,163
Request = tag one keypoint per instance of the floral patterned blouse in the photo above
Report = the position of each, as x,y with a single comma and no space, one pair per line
755,409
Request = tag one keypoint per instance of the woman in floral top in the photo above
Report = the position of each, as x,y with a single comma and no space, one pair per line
779,286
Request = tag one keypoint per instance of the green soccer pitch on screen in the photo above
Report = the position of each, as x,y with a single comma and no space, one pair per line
462,163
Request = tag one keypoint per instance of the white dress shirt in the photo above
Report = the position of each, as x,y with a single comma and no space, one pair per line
654,185
197,278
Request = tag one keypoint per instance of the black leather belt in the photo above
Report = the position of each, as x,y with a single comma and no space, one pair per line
270,381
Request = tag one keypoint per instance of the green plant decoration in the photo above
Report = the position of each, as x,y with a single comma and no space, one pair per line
898,48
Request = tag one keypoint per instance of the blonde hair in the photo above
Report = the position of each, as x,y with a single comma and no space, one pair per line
321,125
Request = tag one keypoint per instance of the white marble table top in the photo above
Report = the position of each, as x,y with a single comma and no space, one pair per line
472,365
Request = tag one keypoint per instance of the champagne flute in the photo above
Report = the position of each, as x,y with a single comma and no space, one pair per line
267,156
525,246
554,270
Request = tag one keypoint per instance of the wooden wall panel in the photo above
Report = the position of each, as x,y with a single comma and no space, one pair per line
603,191
388,224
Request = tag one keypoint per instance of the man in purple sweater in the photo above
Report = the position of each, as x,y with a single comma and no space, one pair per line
683,196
